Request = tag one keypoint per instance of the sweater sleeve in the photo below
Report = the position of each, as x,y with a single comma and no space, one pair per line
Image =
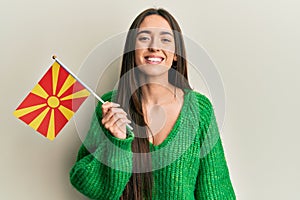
104,162
213,181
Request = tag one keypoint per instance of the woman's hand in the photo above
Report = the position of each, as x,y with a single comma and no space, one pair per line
114,119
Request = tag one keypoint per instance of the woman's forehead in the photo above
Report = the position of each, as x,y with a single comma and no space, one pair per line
155,22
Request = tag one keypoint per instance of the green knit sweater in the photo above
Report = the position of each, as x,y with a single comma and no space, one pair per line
188,164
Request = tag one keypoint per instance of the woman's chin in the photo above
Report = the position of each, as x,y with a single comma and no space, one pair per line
153,70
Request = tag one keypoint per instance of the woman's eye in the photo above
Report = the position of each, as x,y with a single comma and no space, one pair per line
144,38
166,40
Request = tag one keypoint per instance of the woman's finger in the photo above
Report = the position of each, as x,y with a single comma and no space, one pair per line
111,112
115,117
107,105
120,128
121,123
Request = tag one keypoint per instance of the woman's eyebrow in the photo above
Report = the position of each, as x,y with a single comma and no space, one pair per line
144,31
166,33
161,33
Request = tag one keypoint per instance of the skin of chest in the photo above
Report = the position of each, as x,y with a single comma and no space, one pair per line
161,119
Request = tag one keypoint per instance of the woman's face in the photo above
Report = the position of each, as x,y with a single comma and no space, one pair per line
155,46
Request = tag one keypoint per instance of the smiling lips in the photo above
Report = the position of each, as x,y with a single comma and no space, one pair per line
154,60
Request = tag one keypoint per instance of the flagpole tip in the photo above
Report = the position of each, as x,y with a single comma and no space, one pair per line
54,57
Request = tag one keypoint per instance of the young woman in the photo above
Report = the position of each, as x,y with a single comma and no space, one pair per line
174,150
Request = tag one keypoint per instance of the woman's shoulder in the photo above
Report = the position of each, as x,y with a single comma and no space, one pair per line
202,105
202,100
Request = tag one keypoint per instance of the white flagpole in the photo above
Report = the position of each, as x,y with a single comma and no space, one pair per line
82,83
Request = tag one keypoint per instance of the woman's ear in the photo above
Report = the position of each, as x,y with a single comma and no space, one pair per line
175,57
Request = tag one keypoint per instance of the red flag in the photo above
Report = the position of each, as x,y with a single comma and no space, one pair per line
52,102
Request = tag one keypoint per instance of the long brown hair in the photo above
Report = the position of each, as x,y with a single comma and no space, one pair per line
129,95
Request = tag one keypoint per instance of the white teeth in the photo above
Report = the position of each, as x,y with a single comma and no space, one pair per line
154,59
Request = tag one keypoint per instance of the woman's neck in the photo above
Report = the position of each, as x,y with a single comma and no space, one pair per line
158,93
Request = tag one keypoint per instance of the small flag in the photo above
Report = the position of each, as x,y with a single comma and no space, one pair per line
52,102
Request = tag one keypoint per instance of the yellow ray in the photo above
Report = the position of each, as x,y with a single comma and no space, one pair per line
55,71
67,84
38,120
24,111
51,127
66,112
81,93
38,90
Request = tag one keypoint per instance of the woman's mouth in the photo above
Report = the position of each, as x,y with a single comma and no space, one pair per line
153,60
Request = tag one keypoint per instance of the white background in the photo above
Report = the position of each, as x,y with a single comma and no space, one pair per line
255,45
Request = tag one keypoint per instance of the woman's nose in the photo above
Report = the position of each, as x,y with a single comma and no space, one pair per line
154,45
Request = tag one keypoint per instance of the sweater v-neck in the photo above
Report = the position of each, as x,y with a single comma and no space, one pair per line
174,131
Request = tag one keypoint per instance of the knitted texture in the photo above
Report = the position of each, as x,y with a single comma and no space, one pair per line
189,164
